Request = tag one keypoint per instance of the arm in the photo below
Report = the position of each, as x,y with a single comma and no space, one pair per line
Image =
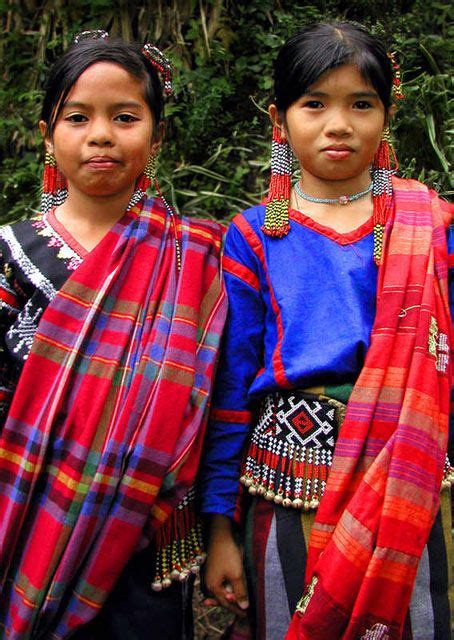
241,359
10,306
450,236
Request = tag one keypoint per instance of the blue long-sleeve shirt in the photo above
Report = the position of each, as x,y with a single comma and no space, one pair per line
301,311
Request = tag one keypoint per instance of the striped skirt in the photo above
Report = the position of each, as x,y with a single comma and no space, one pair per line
275,547
276,533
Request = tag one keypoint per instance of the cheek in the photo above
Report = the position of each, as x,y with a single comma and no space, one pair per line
375,142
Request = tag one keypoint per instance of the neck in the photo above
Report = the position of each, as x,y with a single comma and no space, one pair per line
321,188
93,211
88,218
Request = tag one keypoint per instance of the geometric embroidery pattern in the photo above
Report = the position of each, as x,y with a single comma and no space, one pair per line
291,449
377,632
309,424
25,329
67,253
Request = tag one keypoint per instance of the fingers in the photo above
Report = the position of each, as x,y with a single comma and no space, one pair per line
231,597
240,592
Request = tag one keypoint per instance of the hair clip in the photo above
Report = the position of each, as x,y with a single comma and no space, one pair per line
161,63
397,79
92,34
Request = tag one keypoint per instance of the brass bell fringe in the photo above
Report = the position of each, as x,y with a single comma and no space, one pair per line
179,545
285,465
289,475
448,475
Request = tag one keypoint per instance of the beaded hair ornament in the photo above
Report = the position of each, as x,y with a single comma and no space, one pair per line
276,223
55,189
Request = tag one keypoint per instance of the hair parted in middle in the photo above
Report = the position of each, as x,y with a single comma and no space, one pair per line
322,47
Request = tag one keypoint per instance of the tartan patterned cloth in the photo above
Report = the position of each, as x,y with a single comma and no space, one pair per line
383,489
104,433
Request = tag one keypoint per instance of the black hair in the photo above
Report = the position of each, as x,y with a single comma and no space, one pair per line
68,69
313,51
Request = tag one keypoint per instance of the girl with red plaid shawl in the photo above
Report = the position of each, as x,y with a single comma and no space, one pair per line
334,383
111,309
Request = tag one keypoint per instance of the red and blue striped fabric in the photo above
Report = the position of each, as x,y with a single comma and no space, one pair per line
383,489
104,433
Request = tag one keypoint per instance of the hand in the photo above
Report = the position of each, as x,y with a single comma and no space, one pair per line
223,571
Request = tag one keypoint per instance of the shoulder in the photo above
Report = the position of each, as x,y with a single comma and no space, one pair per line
210,229
208,233
408,184
21,226
205,234
408,190
20,233
247,227
252,218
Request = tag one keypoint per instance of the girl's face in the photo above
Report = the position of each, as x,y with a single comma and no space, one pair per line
335,128
104,133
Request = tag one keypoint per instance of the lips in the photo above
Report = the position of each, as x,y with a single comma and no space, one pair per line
338,152
102,162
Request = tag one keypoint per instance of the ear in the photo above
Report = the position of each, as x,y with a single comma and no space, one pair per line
390,114
47,142
158,137
277,120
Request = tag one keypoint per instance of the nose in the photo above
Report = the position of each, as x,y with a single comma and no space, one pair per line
338,124
100,132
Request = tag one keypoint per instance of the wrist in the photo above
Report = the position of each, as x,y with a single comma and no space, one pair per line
220,526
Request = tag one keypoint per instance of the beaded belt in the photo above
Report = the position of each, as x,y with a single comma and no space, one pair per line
292,447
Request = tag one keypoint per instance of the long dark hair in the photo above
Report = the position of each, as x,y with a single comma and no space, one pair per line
66,71
313,51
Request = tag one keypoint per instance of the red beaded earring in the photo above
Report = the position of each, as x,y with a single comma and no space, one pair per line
55,190
384,166
276,222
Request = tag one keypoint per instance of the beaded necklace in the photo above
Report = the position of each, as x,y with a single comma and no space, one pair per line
343,200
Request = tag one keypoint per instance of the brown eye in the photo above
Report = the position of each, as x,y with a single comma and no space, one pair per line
126,117
76,117
362,105
313,104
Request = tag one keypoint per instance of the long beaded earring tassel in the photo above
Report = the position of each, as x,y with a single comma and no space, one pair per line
384,166
55,189
145,181
276,224
149,178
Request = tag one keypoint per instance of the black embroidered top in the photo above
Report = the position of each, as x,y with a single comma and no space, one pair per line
36,258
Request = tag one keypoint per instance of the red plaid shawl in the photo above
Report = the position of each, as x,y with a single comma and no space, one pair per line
110,405
383,490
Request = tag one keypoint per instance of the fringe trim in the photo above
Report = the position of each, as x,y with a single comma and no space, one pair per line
448,475
289,474
179,545
286,473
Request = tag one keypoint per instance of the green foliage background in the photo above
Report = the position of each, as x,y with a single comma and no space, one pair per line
216,156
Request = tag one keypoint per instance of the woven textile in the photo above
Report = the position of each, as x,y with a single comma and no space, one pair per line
383,490
104,433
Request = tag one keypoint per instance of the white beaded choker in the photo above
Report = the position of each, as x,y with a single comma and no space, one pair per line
340,200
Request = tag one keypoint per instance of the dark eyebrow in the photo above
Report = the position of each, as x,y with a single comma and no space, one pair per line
118,105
